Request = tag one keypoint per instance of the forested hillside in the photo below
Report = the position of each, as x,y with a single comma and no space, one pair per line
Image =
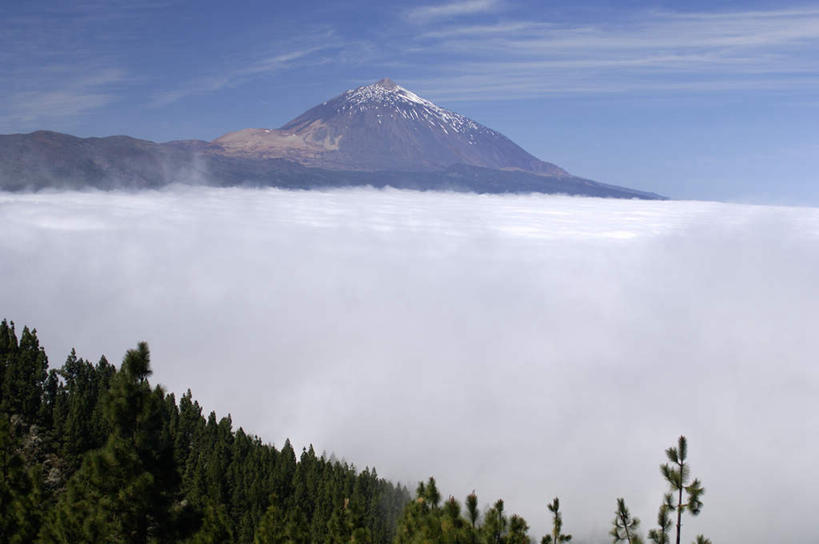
92,453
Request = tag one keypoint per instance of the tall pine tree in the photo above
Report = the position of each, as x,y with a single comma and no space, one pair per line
677,474
126,491
557,535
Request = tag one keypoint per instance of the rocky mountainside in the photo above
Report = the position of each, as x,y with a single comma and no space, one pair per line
384,126
379,135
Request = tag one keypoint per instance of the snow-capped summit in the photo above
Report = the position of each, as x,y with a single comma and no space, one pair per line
388,95
383,126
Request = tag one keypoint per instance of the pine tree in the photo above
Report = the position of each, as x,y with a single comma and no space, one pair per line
494,524
125,492
518,530
361,535
20,497
624,526
557,525
473,514
75,412
421,520
24,374
677,477
341,526
702,540
661,534
215,528
271,529
454,528
285,471
8,349
472,508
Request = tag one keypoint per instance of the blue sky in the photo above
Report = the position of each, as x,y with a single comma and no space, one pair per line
712,100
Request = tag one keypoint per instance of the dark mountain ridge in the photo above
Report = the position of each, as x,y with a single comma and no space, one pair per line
378,135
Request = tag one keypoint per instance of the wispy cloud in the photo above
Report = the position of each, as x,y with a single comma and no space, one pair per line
448,10
233,77
450,51
60,94
751,50
59,62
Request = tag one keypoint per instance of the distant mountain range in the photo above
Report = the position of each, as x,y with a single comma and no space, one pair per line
379,135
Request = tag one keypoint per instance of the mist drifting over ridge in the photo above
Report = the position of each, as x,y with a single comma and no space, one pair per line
521,346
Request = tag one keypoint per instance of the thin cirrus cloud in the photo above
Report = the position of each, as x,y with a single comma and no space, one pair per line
649,30
239,76
453,51
425,14
57,94
61,63
751,50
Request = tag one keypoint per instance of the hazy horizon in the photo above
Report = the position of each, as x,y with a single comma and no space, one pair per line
525,346
707,100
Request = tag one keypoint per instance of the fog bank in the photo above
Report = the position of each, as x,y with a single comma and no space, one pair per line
523,346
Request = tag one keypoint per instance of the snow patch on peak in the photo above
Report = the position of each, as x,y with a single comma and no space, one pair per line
386,94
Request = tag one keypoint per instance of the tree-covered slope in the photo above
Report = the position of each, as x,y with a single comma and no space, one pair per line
91,453
94,453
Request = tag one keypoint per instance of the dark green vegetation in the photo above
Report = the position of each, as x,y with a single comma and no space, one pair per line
93,453
677,475
427,519
51,160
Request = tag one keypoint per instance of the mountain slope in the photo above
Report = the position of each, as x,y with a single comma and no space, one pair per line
45,159
378,135
50,160
384,126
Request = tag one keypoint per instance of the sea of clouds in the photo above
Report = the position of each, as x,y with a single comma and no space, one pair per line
525,347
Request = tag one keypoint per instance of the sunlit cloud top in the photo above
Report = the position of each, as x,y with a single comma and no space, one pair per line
520,346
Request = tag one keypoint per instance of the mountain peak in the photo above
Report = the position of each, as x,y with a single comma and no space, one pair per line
382,92
386,83
383,126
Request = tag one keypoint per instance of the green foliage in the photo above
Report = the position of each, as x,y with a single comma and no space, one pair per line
426,521
25,370
494,524
624,526
20,496
278,527
454,527
660,535
518,530
472,508
117,460
92,453
677,474
215,528
127,490
557,535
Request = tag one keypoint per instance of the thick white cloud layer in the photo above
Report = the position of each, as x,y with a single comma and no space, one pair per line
521,346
